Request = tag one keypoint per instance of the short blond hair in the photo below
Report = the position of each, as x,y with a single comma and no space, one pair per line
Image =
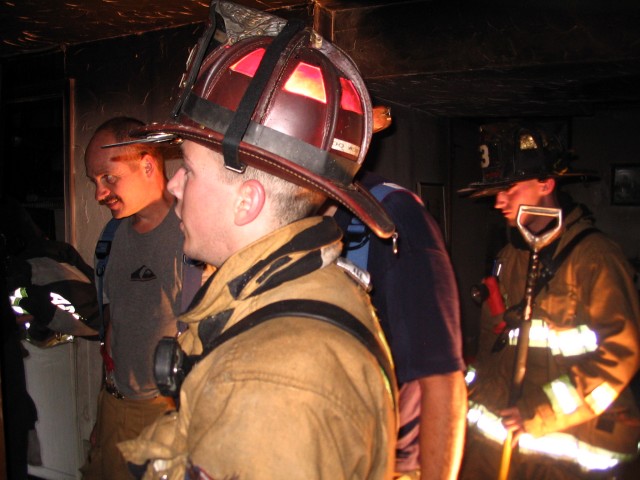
291,202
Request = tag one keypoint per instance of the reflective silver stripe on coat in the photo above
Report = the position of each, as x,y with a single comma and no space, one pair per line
568,343
562,446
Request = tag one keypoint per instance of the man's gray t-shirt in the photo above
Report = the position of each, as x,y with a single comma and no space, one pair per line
142,284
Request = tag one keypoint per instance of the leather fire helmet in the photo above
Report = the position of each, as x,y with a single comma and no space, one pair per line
278,97
513,151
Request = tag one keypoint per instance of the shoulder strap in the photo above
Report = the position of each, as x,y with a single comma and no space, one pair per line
192,273
315,310
357,235
550,267
548,270
103,249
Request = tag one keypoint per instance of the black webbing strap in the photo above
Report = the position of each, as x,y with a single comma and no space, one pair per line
242,117
548,270
194,68
312,309
320,162
102,252
550,267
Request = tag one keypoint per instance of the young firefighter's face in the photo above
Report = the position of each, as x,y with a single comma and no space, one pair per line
205,204
528,192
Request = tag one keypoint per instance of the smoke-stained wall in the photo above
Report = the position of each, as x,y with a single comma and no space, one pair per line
413,149
136,76
602,142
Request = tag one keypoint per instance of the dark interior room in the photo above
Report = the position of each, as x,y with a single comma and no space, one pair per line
444,67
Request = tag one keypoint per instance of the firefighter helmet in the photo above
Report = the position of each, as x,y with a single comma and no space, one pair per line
511,152
293,105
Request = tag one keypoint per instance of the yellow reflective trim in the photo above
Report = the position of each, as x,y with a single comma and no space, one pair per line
576,341
561,446
489,424
387,380
568,343
601,397
563,395
538,334
470,375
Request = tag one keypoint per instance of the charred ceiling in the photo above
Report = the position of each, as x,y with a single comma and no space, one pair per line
496,57
444,57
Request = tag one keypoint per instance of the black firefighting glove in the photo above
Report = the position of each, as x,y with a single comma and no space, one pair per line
76,298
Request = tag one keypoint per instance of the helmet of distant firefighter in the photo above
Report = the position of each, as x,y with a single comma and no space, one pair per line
510,152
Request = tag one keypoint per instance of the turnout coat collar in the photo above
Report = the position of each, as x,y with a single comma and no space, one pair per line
236,288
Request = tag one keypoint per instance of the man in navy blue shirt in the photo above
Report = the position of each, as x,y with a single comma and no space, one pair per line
416,297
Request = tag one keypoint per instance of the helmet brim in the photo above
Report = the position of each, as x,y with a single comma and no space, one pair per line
488,189
352,195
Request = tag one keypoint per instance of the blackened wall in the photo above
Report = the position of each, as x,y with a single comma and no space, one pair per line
135,76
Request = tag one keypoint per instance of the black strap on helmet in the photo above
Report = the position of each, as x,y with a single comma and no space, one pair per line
196,62
242,117
320,162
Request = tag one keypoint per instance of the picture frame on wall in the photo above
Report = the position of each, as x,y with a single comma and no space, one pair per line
625,184
434,197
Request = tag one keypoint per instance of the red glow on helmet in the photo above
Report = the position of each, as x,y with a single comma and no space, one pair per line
248,64
350,99
307,80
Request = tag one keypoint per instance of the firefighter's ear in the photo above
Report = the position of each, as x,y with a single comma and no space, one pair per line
547,186
147,163
249,203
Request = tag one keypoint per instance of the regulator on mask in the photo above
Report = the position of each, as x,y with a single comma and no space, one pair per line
171,365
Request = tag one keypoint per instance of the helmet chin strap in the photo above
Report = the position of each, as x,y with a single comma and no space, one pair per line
242,116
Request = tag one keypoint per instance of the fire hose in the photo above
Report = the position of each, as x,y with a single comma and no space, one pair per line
536,243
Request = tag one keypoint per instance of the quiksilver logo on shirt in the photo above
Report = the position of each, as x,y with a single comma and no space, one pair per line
143,274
